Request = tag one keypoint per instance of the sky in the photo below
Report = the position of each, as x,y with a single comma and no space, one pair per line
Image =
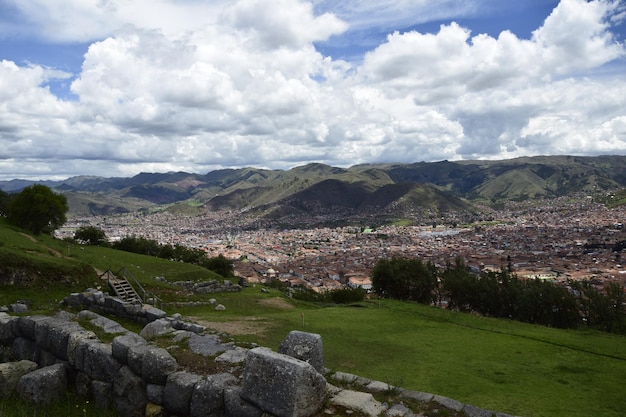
117,87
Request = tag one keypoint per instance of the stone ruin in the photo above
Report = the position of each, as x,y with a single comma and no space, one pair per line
134,376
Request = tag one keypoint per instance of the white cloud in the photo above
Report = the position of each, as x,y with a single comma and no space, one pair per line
241,84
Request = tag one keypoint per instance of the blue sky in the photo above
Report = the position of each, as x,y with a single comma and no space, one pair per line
111,87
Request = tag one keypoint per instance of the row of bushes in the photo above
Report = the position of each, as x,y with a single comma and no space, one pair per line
502,294
92,235
218,264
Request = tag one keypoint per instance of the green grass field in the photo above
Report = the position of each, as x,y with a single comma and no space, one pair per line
494,364
499,365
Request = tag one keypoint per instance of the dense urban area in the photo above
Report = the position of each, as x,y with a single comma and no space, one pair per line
569,238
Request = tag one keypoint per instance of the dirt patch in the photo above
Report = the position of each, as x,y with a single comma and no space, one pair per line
242,326
276,302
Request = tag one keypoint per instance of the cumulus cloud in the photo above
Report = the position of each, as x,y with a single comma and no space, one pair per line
202,85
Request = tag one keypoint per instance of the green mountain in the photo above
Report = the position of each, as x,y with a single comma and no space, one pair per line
360,190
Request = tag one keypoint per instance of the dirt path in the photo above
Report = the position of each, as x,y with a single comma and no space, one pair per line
238,327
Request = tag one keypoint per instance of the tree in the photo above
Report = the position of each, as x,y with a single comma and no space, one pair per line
219,264
38,209
4,203
91,235
405,279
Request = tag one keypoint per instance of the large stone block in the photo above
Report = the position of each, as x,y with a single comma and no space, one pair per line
53,335
157,364
10,374
106,324
156,328
44,385
76,341
363,402
208,395
153,313
282,385
134,359
178,391
305,346
25,326
122,344
96,360
129,393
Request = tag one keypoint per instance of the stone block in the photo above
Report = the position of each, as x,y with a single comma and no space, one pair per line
122,344
134,359
208,395
102,394
233,356
106,324
157,364
44,386
6,329
282,385
129,393
10,374
26,326
448,402
53,336
153,313
18,308
156,328
362,402
25,349
75,341
97,361
82,385
178,391
305,346
155,393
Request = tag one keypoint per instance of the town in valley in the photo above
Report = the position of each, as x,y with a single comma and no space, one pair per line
561,239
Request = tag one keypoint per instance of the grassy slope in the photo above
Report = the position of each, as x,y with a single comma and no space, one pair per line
494,364
43,252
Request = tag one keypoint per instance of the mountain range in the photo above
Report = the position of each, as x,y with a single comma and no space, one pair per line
391,190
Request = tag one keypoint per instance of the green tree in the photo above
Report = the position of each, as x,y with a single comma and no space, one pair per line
405,279
4,203
38,209
91,235
219,264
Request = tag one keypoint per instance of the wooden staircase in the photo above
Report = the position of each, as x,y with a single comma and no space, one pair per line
121,287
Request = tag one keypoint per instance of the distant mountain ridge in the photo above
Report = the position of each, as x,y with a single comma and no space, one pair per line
318,189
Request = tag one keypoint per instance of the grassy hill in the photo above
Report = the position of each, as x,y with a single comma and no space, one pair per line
30,264
500,365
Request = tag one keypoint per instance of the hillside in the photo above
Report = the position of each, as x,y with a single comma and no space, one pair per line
500,365
389,190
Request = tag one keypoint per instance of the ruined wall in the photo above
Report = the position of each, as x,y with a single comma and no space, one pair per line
137,377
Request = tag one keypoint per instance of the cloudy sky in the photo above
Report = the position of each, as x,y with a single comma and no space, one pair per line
118,87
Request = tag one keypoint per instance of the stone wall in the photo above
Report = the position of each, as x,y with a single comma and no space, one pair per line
137,377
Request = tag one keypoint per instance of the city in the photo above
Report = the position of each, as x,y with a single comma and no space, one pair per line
568,238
